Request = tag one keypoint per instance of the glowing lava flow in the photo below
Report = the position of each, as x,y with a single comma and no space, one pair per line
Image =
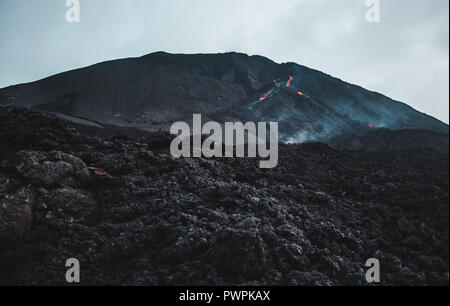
288,84
267,95
280,85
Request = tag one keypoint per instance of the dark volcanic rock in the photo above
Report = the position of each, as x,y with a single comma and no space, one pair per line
389,140
153,91
65,205
238,254
15,213
132,214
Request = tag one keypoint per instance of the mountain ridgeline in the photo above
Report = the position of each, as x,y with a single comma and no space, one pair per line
153,91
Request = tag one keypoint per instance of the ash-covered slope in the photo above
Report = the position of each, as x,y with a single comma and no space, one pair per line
153,91
389,140
133,215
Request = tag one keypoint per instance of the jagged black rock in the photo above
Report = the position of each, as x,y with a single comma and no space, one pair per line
133,215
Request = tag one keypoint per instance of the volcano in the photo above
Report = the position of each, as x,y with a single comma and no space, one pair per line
83,176
153,91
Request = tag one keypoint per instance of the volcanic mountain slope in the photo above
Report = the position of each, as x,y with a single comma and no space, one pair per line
133,215
389,140
155,90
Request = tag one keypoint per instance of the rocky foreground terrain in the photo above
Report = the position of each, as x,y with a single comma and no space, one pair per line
134,215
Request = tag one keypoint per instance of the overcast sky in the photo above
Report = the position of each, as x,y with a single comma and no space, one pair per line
405,56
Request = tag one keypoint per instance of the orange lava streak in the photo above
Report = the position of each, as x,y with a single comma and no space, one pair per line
288,84
277,86
266,96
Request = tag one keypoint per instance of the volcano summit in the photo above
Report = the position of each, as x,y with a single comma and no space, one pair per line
156,90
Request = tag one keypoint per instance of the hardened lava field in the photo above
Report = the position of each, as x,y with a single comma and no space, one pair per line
133,215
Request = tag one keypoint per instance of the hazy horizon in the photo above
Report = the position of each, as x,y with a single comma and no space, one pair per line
404,56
